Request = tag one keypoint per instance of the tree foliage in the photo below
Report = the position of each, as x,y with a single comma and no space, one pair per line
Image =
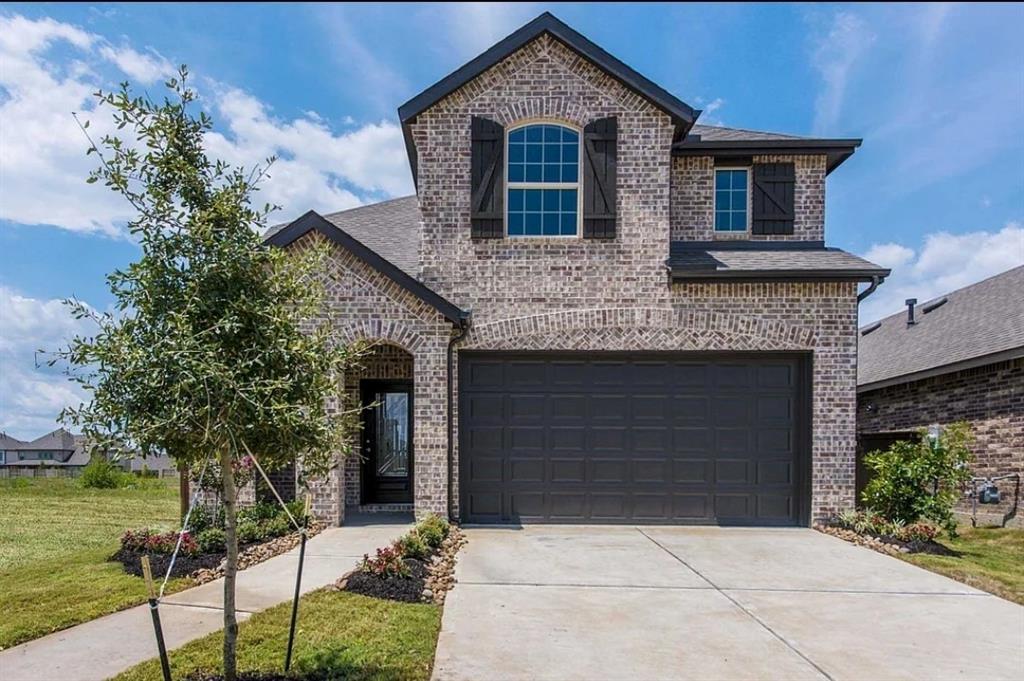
921,479
214,350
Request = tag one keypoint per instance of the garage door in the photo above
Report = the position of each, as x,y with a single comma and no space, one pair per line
606,437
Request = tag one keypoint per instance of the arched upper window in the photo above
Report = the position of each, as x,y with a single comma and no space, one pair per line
543,180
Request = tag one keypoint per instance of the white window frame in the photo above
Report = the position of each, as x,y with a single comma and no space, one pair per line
577,185
725,234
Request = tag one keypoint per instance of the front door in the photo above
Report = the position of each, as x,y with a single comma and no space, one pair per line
387,442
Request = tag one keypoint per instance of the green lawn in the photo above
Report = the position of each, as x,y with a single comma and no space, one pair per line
340,635
55,538
990,559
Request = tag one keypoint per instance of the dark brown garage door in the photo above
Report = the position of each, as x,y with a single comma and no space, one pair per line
608,437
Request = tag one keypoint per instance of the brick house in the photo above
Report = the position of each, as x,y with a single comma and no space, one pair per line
959,357
594,309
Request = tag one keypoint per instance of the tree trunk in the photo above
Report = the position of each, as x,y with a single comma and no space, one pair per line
230,567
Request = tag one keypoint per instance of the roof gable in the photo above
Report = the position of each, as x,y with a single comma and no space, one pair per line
314,222
681,113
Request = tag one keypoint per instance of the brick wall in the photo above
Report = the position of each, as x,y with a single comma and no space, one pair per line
693,196
990,398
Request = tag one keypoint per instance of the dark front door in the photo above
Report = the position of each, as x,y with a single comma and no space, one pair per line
387,442
693,438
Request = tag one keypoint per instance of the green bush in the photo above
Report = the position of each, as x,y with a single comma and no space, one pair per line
298,510
100,473
921,480
275,527
211,540
432,532
259,512
411,545
248,532
200,520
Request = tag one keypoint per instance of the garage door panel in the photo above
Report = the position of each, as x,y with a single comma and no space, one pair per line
619,438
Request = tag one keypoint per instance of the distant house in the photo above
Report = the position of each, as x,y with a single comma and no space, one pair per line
958,357
63,450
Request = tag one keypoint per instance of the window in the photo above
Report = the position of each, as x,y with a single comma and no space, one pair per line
543,180
731,190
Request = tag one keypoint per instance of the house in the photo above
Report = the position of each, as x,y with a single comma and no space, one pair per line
595,309
59,449
65,451
958,357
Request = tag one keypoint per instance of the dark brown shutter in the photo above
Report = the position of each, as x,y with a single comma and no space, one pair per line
773,211
487,212
599,160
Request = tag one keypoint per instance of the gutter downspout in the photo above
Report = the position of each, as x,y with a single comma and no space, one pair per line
875,281
463,329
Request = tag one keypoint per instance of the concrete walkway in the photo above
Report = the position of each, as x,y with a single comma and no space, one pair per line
106,646
712,603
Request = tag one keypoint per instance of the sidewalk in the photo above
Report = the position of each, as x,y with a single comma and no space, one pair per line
99,649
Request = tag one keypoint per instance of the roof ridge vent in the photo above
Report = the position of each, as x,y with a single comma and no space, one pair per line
935,304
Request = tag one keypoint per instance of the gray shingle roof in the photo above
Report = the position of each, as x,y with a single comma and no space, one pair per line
717,133
690,261
389,228
976,321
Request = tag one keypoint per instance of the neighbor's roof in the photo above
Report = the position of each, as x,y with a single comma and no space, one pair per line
723,142
681,113
977,324
8,442
58,440
390,228
778,261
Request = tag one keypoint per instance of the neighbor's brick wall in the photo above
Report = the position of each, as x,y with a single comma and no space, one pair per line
693,197
990,398
614,295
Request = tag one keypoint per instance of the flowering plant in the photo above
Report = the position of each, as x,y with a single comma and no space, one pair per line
387,563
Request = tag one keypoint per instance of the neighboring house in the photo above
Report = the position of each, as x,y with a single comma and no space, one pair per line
59,449
594,309
64,450
959,357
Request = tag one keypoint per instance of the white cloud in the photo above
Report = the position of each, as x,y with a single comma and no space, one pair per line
32,394
944,263
43,167
475,26
144,68
835,57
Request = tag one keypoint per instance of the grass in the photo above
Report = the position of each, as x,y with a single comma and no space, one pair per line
54,541
340,635
990,559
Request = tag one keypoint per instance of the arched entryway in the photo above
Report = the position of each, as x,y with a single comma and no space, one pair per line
379,475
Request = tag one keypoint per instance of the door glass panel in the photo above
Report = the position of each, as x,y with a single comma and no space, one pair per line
392,434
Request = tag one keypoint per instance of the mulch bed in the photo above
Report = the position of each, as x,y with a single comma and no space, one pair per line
408,589
184,565
884,544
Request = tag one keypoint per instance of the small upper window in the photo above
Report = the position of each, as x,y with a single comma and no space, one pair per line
543,180
731,190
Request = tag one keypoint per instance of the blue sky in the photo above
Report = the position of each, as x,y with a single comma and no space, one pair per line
936,91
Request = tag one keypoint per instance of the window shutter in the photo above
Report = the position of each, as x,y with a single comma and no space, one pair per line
773,189
487,179
600,151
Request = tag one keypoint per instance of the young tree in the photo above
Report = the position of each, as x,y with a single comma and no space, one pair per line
214,351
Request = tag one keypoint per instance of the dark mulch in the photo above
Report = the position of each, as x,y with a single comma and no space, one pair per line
408,589
184,565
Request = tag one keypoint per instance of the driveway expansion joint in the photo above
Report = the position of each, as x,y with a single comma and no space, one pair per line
739,605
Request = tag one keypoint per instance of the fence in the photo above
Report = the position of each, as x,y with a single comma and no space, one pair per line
13,471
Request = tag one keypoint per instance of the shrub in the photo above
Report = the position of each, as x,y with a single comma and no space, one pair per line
259,512
200,520
433,530
146,540
915,480
275,527
412,545
298,510
248,532
100,473
211,540
387,563
917,532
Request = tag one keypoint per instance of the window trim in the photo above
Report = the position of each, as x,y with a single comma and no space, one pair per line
577,185
735,234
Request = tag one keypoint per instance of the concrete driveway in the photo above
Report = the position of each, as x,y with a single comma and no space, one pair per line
558,602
